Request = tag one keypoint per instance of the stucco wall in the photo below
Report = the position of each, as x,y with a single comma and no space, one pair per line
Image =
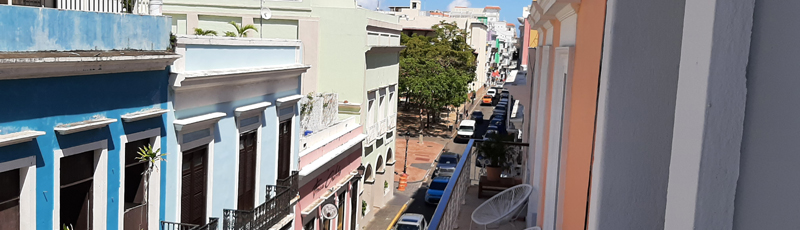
638,83
766,194
41,104
212,57
46,29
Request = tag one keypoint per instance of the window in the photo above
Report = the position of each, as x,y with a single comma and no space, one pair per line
133,194
9,199
247,171
284,149
193,186
309,225
340,217
77,184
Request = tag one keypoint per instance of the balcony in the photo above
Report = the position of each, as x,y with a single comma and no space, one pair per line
212,225
469,188
392,121
105,6
383,126
372,133
276,210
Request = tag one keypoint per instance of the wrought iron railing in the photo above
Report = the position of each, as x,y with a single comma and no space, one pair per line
467,173
211,225
279,204
371,133
392,121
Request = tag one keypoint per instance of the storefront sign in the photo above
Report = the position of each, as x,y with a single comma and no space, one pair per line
329,211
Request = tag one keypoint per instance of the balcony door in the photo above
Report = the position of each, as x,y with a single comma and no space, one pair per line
135,217
9,200
193,186
77,185
284,149
247,171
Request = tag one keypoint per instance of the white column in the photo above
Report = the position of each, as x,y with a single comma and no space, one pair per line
709,114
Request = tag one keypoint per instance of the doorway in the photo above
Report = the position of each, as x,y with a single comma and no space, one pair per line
247,170
77,186
135,217
284,149
9,200
193,186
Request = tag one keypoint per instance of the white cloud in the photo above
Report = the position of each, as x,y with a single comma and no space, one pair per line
464,3
369,4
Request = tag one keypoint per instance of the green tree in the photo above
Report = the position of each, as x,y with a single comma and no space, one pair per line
198,31
435,72
239,31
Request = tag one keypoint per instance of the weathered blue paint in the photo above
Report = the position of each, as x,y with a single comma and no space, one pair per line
211,57
41,104
45,29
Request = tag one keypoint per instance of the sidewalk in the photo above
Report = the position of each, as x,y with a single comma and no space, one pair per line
420,157
409,122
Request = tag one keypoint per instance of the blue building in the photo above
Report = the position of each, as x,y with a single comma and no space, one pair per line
233,131
80,92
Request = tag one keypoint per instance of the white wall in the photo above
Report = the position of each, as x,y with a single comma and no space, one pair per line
635,114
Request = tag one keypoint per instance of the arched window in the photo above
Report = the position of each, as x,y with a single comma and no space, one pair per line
389,156
368,175
380,166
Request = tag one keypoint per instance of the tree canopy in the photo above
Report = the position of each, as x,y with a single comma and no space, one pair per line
435,72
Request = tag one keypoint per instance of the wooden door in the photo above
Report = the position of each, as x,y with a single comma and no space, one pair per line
135,211
77,182
9,200
247,171
284,148
193,186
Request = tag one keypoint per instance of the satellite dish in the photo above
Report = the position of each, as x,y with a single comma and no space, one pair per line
266,13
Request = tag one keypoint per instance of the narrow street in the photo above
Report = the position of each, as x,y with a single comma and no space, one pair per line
414,196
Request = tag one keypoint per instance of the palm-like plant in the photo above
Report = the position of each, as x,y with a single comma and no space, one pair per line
240,31
198,31
151,158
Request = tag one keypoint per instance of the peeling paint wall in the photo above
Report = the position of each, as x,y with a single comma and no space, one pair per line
45,29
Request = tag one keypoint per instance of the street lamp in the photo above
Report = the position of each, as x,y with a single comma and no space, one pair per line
405,162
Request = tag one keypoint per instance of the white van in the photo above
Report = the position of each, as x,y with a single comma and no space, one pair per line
466,130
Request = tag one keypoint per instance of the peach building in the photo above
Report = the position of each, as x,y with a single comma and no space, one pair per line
565,71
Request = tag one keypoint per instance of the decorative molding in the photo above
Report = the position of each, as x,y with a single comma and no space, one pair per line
284,101
384,25
141,115
548,26
19,137
251,109
567,11
41,67
234,41
80,126
193,4
387,49
210,78
202,120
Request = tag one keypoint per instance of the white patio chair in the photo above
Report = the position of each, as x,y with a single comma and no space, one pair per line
503,207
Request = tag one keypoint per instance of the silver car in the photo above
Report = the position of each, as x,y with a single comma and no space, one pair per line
411,221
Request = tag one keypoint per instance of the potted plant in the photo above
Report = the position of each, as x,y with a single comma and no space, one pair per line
498,153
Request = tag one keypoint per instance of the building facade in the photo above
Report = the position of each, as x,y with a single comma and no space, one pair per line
564,99
78,106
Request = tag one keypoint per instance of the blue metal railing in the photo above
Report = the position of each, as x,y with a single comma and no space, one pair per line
447,212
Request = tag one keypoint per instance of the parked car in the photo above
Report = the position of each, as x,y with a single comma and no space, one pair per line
491,92
501,116
500,123
499,109
487,100
436,189
466,129
411,221
502,103
477,115
505,95
446,165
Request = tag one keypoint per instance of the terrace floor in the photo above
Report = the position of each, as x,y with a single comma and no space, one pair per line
472,202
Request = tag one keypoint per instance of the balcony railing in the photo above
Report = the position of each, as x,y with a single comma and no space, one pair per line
383,126
211,225
392,121
372,133
279,204
446,216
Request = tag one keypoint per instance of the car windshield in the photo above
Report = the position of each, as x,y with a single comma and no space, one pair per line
407,227
438,185
448,160
465,129
487,96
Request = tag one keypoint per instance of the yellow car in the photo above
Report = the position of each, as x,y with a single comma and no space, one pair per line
487,99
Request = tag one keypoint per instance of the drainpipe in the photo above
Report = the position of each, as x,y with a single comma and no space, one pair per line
155,7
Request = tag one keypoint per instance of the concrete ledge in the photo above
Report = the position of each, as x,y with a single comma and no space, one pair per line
19,137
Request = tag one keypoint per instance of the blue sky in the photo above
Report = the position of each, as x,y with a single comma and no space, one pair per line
510,10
